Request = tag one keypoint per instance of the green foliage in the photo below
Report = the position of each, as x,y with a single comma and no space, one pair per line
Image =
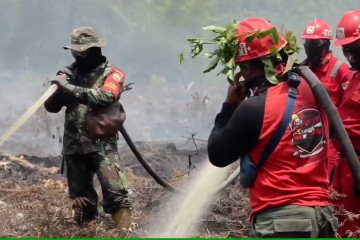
227,44
181,58
227,50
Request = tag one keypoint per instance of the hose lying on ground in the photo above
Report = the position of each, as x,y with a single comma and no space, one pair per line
229,180
337,125
147,167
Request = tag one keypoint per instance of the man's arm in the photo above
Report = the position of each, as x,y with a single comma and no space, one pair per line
236,131
109,93
54,103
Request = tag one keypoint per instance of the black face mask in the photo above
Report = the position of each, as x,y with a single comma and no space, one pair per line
89,59
352,53
316,50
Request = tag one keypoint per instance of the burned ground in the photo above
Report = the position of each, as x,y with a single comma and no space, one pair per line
34,201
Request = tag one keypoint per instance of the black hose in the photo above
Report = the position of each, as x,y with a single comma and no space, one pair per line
337,125
147,167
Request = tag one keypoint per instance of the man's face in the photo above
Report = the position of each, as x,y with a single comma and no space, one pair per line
352,53
251,71
80,55
316,50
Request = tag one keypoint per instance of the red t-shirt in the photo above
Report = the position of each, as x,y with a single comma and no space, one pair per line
335,75
296,173
349,110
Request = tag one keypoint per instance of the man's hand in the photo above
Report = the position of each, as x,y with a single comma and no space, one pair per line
237,92
60,80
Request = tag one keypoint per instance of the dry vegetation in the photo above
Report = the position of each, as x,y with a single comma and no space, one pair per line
34,202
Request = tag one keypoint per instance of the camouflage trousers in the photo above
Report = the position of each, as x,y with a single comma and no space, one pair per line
292,221
80,175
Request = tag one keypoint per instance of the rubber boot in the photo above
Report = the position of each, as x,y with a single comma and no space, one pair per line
122,217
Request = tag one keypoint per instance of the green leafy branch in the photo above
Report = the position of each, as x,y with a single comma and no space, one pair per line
227,50
227,43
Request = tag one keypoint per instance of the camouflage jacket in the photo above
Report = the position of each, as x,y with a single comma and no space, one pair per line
76,139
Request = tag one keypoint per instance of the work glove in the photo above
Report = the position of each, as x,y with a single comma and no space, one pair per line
62,81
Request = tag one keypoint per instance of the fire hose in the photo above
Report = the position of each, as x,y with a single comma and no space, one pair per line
147,167
157,178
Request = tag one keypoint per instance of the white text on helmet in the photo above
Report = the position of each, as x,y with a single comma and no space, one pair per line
327,32
340,33
243,50
310,30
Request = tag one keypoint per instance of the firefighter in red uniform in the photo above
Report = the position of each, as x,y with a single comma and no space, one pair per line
331,71
290,195
348,36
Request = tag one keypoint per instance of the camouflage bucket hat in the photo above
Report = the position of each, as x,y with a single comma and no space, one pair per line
83,38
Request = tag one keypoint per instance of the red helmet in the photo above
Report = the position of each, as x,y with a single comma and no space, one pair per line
258,47
317,29
348,29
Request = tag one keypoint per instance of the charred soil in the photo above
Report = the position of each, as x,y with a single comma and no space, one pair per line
34,200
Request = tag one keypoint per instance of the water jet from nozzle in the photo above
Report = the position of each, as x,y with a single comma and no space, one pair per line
46,95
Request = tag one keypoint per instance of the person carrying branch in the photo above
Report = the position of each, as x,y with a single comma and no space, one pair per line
89,83
273,122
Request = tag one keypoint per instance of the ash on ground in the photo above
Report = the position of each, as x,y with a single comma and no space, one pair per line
34,200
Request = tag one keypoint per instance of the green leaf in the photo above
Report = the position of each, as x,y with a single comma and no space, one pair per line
278,57
265,33
273,50
209,55
193,40
275,36
212,64
230,76
181,58
270,70
252,36
231,81
288,35
231,63
215,29
223,71
197,49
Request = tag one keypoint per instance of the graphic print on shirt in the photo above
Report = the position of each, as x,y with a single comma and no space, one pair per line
307,133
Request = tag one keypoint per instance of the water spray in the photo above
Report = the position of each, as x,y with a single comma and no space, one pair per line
46,95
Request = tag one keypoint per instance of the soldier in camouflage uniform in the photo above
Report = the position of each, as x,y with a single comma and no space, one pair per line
89,83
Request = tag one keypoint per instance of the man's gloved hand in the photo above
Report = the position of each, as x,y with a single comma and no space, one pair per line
61,80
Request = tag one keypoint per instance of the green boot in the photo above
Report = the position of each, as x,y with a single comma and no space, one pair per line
122,217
